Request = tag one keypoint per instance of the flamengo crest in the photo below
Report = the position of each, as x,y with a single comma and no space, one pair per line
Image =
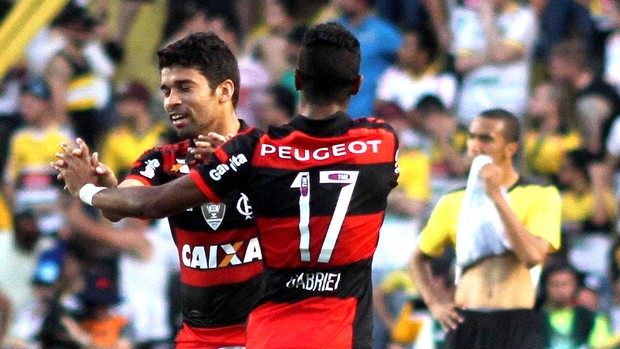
213,214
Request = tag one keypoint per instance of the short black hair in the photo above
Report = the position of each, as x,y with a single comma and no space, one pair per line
207,53
512,125
329,63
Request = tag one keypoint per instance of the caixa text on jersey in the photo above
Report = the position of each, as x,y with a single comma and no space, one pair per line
220,256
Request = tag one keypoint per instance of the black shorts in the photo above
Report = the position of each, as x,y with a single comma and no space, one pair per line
497,329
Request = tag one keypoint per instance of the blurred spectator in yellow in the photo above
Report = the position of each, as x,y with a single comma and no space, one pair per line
30,182
548,136
137,132
588,220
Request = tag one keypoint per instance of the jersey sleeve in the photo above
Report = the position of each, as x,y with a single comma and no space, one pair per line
229,167
544,216
436,234
148,168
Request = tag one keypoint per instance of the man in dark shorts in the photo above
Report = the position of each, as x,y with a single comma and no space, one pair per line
319,188
495,291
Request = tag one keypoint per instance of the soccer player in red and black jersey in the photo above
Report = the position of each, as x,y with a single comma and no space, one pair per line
319,188
219,254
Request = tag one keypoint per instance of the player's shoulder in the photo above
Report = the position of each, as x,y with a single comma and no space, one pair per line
454,196
373,123
246,136
173,147
531,184
178,149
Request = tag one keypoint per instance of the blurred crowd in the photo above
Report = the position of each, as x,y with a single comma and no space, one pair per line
71,279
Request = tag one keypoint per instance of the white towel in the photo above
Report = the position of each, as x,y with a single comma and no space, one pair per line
480,232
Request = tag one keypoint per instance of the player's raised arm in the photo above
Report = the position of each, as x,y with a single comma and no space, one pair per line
146,202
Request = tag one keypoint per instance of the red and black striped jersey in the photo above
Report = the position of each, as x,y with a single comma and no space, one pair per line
319,190
219,253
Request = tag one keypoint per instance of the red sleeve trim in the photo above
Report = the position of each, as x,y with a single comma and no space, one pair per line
203,186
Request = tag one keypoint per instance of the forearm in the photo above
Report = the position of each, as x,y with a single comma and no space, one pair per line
420,269
149,202
531,250
454,158
123,240
600,174
381,308
128,202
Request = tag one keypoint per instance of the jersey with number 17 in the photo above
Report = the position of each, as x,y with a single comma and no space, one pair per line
319,190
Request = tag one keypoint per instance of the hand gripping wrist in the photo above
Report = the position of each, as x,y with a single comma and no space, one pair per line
87,192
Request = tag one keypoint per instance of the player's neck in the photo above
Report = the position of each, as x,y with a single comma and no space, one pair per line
226,125
510,177
321,111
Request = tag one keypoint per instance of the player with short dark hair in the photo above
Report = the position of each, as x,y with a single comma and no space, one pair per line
319,188
502,227
218,248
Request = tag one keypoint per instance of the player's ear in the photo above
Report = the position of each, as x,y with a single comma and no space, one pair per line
512,148
358,83
226,90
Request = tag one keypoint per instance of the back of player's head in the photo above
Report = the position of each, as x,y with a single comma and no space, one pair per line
329,63
512,126
207,53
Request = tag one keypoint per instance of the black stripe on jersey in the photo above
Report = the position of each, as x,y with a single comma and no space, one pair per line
220,305
194,220
294,285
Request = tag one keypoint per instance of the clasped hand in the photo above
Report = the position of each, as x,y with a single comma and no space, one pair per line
77,167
